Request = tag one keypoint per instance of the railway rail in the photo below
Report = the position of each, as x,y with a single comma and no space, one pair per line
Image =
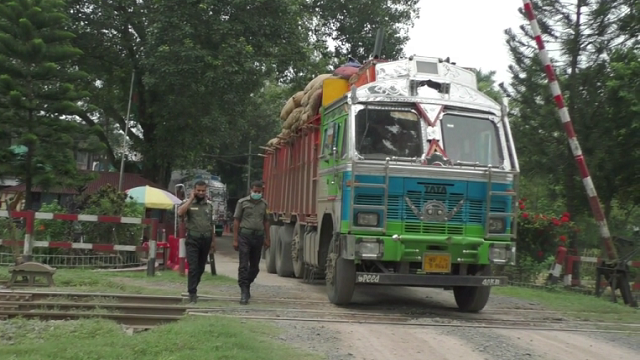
147,311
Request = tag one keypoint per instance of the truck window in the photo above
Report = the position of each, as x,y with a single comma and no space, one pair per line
331,134
471,139
343,153
388,132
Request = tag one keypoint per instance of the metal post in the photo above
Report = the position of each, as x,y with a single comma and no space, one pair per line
151,262
28,235
126,131
249,169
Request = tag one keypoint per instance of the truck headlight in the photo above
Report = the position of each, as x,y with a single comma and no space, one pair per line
501,254
496,225
369,248
367,219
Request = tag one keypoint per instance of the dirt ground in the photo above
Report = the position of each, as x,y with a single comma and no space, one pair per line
372,342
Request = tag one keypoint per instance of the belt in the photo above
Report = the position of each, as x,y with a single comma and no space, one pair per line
246,231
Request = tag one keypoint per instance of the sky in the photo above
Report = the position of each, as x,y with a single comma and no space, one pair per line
470,32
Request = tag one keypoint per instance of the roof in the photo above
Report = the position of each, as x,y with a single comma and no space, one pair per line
104,177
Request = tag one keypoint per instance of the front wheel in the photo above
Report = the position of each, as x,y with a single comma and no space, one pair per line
340,277
473,298
296,251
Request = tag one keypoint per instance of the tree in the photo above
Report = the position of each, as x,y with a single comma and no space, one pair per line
37,90
194,72
487,85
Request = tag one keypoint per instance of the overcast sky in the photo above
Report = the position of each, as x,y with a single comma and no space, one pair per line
470,32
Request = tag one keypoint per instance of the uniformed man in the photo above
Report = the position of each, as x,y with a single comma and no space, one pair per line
201,235
250,234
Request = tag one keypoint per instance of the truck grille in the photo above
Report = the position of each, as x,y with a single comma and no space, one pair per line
472,213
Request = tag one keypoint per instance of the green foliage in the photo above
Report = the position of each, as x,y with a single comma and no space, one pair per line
37,88
110,202
52,230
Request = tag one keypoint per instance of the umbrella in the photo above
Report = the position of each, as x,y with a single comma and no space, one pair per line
153,198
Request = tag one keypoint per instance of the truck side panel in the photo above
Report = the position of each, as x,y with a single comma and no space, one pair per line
290,175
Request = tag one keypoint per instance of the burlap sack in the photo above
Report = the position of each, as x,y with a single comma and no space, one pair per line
287,109
293,118
313,83
315,100
272,142
297,98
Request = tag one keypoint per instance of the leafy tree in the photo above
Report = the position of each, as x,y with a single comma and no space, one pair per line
487,85
36,90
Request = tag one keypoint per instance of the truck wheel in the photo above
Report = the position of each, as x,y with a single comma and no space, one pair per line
296,251
284,265
270,253
340,277
473,298
218,233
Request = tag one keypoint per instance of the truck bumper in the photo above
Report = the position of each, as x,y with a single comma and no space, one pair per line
428,280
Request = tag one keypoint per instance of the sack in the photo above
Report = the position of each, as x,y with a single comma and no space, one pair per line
293,118
297,98
313,83
345,72
287,109
315,100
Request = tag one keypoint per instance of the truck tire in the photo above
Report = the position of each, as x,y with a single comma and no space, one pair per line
218,233
297,256
270,253
340,277
284,265
473,298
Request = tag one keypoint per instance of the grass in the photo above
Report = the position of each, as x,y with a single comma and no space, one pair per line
198,337
164,283
575,305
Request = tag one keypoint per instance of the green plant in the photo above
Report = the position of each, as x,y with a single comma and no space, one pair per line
111,202
52,230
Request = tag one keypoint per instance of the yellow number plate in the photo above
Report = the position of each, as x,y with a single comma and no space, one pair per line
436,263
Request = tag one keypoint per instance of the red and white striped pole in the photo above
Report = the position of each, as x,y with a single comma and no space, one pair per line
28,236
596,209
182,248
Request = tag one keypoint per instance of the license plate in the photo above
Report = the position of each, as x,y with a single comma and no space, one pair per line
436,263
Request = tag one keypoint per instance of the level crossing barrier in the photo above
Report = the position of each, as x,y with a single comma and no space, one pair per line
151,247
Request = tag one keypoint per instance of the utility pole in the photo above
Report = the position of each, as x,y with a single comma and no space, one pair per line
249,169
126,131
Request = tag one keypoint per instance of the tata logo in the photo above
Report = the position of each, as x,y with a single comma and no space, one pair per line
435,189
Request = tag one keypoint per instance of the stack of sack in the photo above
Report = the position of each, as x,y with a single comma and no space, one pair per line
304,105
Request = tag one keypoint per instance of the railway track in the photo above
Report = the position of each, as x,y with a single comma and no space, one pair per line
148,311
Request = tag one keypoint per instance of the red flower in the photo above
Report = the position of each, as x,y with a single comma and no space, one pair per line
564,219
563,238
566,214
521,206
525,215
555,222
540,253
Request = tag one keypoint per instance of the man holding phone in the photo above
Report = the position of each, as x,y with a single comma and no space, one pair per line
201,235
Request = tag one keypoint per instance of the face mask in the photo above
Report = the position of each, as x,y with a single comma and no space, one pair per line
256,196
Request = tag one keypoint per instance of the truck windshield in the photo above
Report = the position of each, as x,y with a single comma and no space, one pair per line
387,132
216,194
471,139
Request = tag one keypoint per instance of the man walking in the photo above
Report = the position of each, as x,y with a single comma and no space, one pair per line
250,234
201,235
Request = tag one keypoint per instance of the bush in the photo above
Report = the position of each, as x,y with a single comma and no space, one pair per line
111,202
539,235
53,230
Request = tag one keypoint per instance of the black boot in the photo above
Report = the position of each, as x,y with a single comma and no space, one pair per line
193,299
244,295
249,292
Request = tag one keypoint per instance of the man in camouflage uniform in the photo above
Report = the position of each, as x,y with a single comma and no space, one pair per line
250,234
201,235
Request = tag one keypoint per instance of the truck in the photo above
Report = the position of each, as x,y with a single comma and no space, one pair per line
407,175
183,180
